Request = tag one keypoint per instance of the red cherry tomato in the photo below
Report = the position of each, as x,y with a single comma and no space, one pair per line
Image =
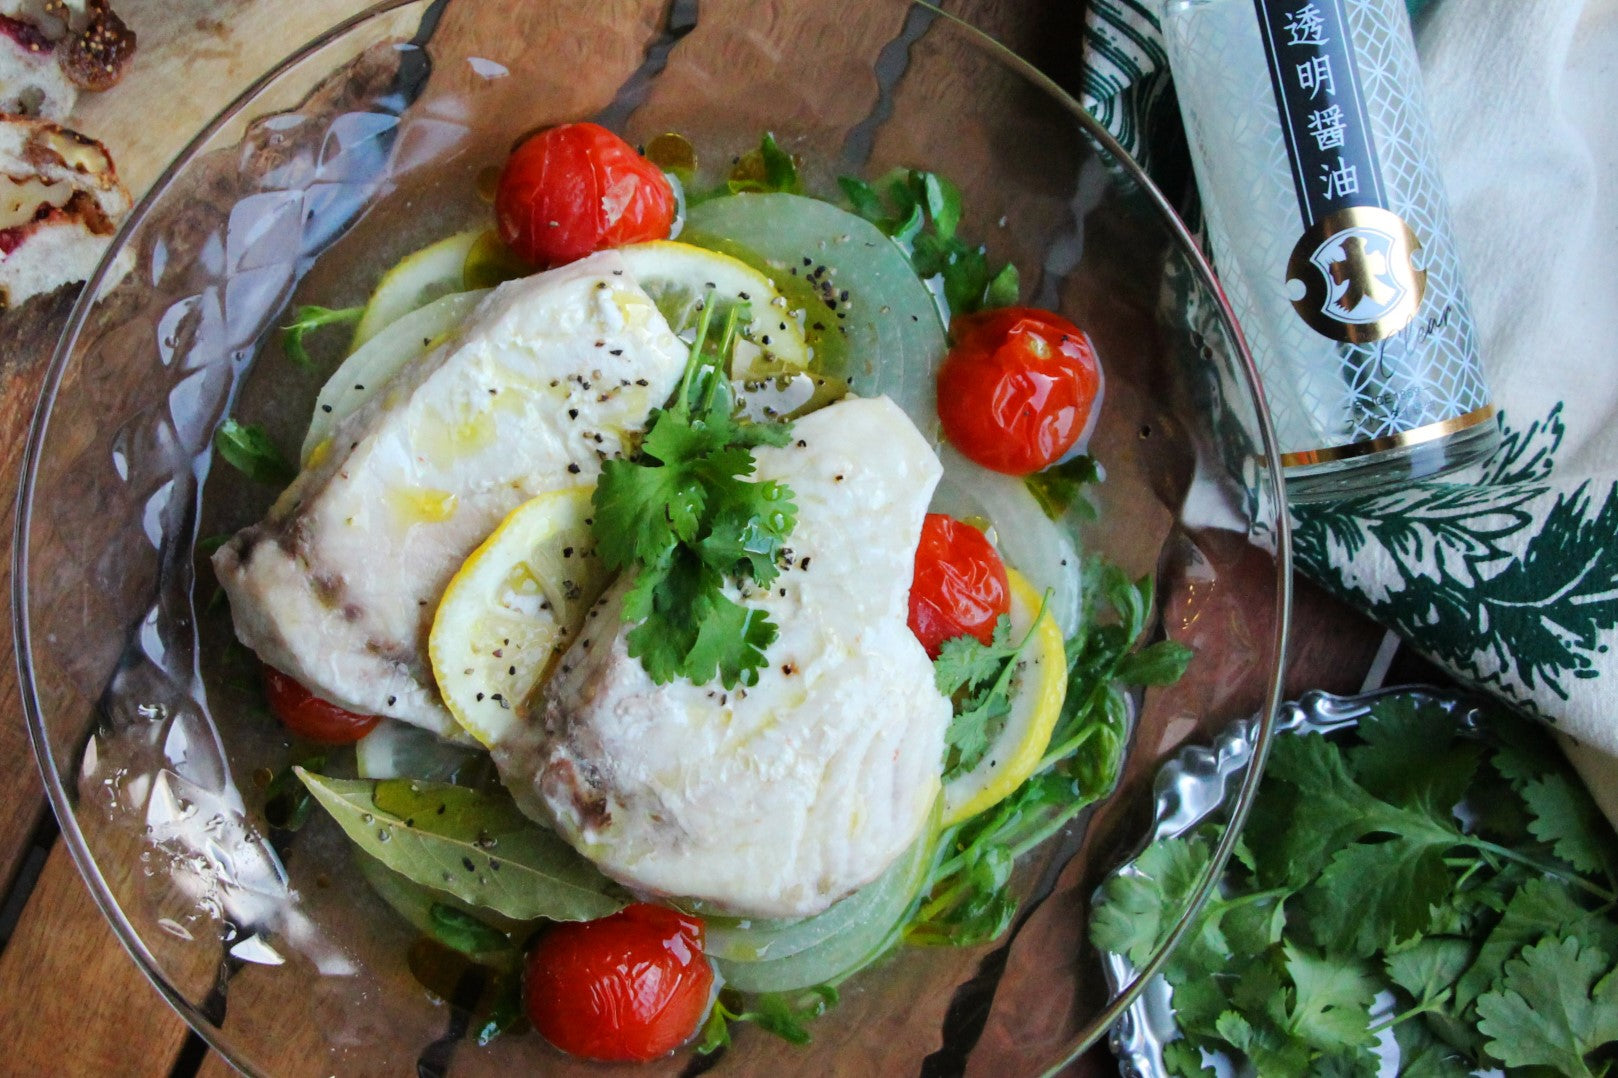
578,188
1018,388
308,716
633,986
959,588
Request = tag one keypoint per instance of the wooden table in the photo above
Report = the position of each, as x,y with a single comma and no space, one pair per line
71,1001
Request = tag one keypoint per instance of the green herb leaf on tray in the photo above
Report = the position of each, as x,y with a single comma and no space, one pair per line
476,846
1557,1003
248,449
1363,870
306,320
683,520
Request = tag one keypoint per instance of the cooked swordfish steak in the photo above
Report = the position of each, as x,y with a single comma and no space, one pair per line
778,799
338,585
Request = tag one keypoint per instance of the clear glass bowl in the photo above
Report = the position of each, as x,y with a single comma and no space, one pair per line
371,140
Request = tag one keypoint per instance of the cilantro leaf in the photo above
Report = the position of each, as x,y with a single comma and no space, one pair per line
1331,1006
1371,896
1429,968
1061,486
1557,1003
1541,907
1135,911
1564,817
306,320
785,1014
1162,663
247,448
730,641
768,168
921,212
1270,1049
1423,1055
1410,757
1184,1060
684,518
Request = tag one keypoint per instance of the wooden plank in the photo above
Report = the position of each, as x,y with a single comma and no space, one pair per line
25,342
88,1008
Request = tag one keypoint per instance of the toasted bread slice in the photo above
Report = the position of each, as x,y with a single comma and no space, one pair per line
60,202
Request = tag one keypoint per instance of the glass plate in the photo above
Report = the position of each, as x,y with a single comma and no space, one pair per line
371,140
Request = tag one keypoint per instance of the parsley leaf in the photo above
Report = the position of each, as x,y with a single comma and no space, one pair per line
306,320
1557,1004
683,517
247,448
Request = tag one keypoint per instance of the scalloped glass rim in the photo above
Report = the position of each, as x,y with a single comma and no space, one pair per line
1268,477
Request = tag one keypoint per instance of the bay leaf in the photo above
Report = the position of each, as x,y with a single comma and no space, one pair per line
472,844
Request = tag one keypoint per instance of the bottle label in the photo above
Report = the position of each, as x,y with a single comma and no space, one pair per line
1354,275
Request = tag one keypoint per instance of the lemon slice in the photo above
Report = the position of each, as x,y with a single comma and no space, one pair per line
678,275
512,609
1037,689
415,281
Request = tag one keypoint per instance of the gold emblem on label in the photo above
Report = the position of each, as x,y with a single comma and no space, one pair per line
1354,277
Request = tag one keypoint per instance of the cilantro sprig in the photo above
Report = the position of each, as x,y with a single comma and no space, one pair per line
920,211
685,521
1472,881
968,898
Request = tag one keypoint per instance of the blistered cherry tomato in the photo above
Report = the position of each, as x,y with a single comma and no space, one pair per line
630,987
959,587
578,188
308,716
1017,388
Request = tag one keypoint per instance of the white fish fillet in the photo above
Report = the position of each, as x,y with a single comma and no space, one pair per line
778,799
338,586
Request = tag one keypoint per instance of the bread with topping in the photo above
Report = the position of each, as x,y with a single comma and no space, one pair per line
52,49
60,202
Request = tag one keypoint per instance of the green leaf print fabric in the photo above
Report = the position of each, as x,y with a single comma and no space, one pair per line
1506,575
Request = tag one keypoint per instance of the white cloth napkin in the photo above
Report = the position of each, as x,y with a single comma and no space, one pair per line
1507,576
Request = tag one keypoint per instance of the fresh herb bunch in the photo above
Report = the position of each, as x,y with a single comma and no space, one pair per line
920,211
1470,879
968,899
684,520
